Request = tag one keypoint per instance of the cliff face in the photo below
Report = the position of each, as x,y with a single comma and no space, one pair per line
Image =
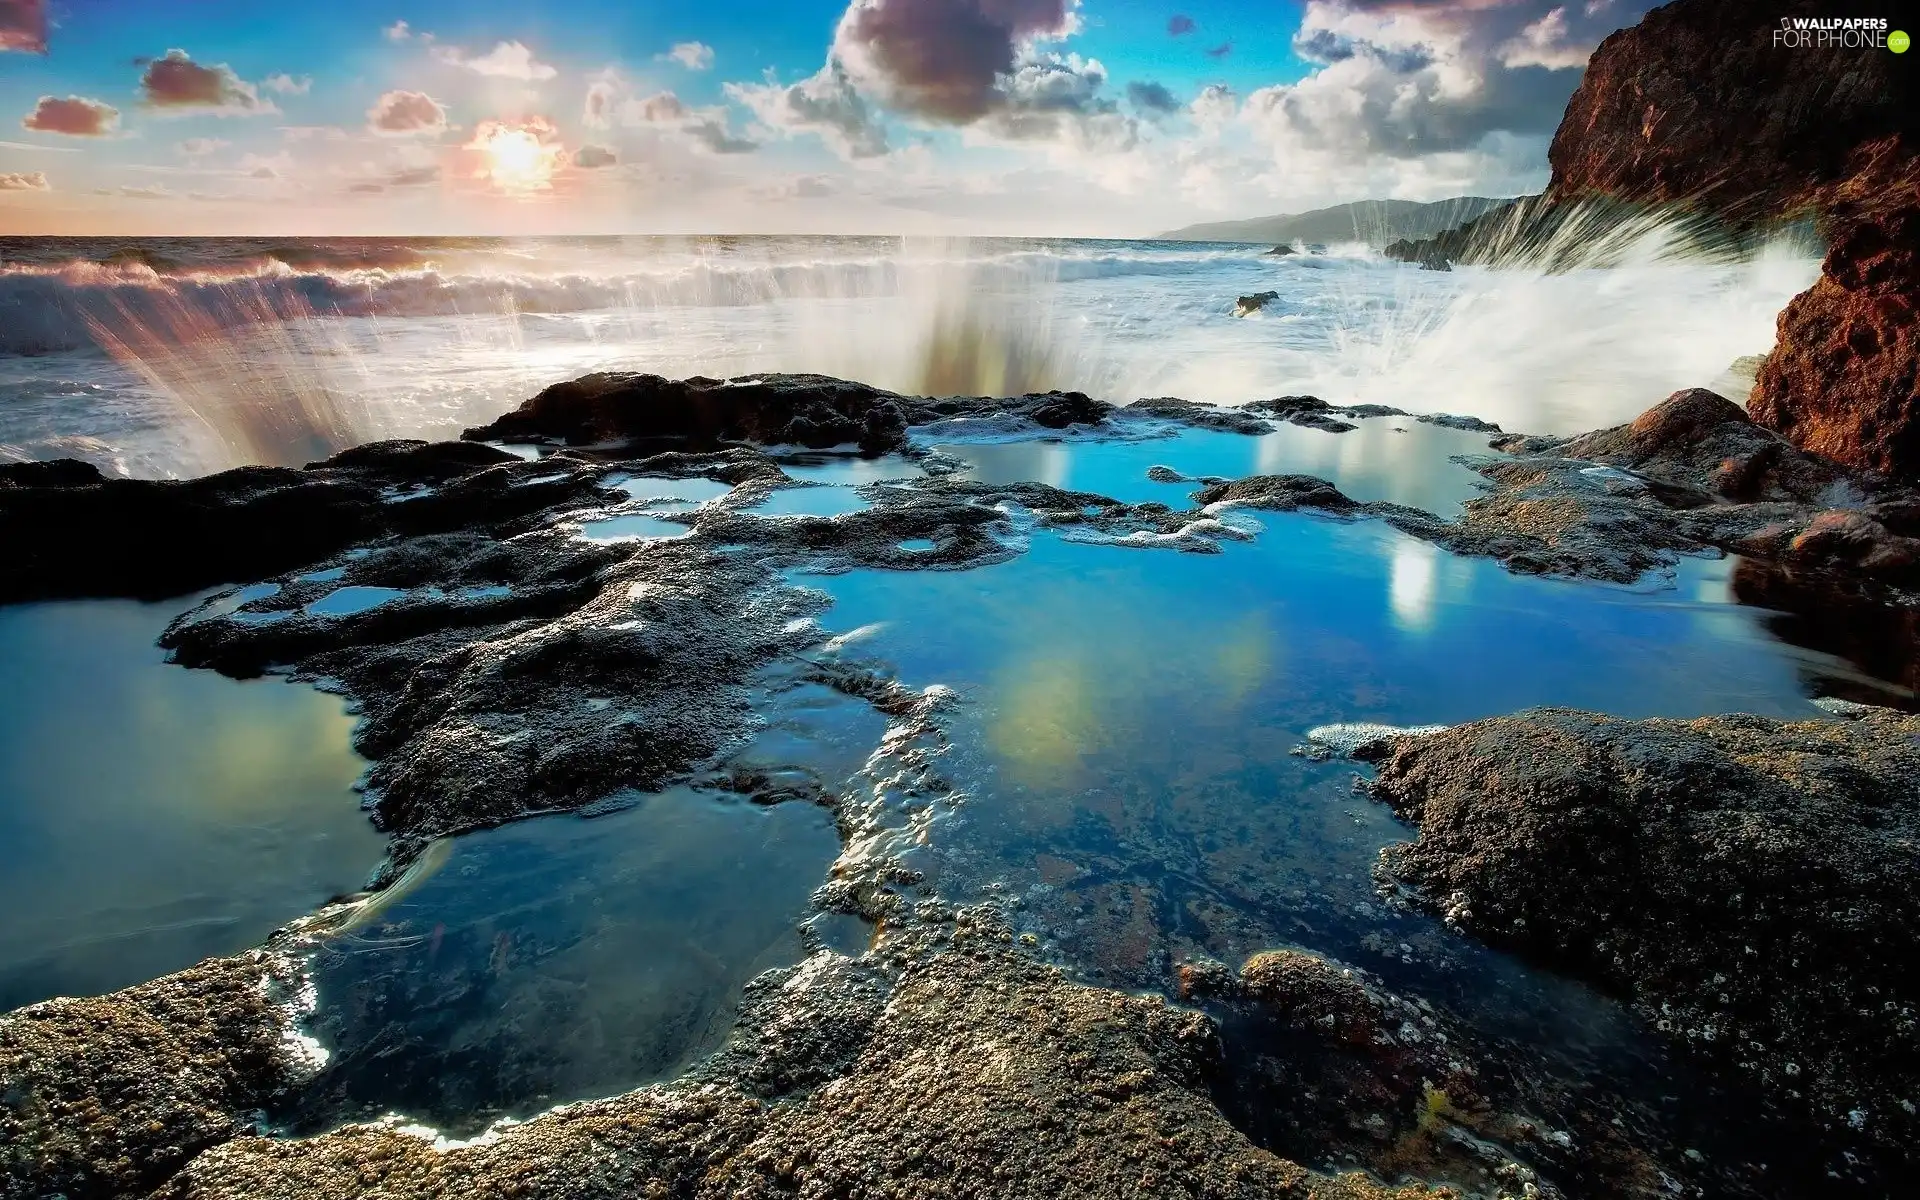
1697,105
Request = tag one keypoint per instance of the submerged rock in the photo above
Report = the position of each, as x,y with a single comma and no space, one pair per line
109,1097
1745,882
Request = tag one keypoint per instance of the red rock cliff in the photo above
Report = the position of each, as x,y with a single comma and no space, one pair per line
1698,105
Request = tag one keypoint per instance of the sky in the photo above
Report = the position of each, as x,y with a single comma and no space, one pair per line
1042,117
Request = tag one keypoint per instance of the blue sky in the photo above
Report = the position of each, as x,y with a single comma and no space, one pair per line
940,116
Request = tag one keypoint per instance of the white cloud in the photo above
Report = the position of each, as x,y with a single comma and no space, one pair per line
258,166
507,60
825,104
287,85
399,31
694,56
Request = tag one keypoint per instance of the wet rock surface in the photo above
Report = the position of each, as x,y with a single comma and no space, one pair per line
1693,473
72,532
983,1073
1743,881
110,1096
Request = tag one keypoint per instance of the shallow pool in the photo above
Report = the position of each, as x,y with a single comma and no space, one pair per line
152,816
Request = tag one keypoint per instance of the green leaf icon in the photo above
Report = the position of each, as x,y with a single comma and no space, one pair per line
1898,41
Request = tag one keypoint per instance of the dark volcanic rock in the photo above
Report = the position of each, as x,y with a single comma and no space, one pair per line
1309,412
1280,493
108,1097
984,1074
1200,416
798,410
1248,305
1746,882
612,407
1453,421
71,532
1280,251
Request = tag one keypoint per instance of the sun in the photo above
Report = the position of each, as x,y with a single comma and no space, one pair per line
519,157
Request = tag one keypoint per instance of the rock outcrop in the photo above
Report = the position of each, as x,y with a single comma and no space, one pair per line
1743,880
109,1096
1845,380
1699,106
627,409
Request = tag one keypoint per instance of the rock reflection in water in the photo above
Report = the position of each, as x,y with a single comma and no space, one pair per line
1881,640
1386,458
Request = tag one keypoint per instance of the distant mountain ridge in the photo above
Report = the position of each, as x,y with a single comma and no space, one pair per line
1375,222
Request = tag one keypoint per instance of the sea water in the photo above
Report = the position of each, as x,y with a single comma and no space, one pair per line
175,356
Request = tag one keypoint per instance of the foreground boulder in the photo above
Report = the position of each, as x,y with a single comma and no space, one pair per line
110,1096
1746,882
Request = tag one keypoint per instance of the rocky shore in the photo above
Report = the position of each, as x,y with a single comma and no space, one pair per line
1743,881
948,1060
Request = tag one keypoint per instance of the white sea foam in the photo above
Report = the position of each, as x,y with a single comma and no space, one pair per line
176,368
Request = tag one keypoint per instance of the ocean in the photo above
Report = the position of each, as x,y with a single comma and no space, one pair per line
175,356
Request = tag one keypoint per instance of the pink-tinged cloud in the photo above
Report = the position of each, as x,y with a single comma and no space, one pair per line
943,59
407,114
1180,25
175,81
75,116
23,26
31,181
